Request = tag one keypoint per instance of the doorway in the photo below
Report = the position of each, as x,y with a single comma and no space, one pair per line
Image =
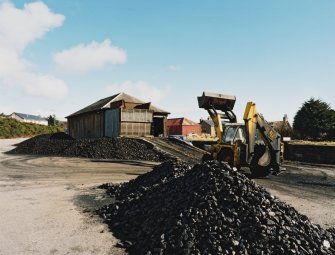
158,126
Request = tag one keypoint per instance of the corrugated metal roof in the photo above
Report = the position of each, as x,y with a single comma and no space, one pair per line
105,102
30,117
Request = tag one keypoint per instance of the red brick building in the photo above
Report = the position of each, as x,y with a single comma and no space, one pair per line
182,126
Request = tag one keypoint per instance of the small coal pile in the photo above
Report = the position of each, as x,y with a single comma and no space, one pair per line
41,145
61,136
209,209
61,144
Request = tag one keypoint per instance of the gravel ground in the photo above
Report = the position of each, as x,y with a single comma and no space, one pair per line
45,203
308,188
43,199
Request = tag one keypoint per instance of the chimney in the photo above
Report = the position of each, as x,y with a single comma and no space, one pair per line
285,118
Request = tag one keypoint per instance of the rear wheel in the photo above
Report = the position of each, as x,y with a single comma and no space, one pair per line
206,157
227,156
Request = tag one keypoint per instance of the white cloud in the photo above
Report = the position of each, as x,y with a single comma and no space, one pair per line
18,29
174,68
140,89
42,85
11,62
83,58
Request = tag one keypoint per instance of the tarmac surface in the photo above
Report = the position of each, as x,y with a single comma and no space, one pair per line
45,202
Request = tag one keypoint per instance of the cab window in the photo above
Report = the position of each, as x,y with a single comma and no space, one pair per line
240,135
230,134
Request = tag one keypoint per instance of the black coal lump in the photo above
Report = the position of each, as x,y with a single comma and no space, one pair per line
61,144
208,209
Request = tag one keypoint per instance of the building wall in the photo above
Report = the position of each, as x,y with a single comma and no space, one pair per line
184,129
89,125
196,129
175,130
113,123
135,122
40,122
14,116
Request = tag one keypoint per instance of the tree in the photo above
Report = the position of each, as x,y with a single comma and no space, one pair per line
314,120
331,132
52,121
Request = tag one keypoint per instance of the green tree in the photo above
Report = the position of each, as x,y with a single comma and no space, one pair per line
52,121
331,132
314,120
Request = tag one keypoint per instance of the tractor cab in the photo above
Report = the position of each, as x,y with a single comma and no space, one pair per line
234,132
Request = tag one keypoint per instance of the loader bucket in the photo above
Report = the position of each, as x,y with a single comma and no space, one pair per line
218,101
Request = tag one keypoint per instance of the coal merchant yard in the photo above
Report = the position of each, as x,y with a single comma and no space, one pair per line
115,185
167,127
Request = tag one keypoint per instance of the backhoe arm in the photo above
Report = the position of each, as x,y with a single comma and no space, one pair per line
216,118
271,138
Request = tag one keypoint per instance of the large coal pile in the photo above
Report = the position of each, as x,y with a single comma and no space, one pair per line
61,136
209,209
103,148
160,175
119,148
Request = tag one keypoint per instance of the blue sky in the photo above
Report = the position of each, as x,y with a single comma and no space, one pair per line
61,55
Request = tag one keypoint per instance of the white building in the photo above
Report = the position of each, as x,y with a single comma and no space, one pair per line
23,117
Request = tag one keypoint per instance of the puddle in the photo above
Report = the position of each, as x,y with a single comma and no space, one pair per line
324,184
93,201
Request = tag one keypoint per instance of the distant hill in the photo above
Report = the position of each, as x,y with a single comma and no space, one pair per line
11,128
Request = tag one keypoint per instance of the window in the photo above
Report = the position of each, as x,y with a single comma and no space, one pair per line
230,134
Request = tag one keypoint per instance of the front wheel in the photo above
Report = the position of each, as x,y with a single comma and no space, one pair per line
206,157
226,155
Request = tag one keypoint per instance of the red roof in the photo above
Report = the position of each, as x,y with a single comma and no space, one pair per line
181,122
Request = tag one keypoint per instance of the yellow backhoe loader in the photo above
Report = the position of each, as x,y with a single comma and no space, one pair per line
254,143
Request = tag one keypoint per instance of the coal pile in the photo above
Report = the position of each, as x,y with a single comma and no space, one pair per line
61,136
119,148
101,148
160,175
208,209
41,145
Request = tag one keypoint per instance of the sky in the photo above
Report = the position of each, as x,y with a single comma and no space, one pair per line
58,56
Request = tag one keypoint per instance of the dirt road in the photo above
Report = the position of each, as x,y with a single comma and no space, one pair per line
309,188
45,201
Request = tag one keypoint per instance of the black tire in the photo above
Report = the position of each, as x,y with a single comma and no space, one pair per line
206,157
227,156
